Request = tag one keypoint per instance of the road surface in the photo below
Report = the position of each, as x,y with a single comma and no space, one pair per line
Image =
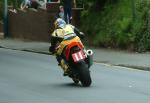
35,78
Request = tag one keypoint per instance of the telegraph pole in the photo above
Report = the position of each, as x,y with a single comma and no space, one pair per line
5,20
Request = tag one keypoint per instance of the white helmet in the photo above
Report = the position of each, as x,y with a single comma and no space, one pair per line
59,23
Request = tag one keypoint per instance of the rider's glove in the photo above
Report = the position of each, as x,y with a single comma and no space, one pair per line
52,49
82,35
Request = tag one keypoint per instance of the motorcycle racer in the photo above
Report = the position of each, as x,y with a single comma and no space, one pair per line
63,35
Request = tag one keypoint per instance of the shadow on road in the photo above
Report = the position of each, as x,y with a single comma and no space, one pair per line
68,85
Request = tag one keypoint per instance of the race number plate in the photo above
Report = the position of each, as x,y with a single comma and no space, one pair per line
78,56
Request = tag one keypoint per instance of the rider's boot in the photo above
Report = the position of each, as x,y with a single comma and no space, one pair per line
76,81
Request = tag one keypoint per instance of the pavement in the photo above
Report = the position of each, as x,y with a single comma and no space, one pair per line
106,56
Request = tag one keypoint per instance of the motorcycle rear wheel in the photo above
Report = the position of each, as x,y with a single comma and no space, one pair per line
84,74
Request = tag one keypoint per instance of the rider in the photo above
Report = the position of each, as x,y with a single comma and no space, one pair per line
61,37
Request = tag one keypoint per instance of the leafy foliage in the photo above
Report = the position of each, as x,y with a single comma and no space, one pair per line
113,25
1,12
13,3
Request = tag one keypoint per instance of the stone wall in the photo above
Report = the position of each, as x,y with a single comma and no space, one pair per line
34,24
1,30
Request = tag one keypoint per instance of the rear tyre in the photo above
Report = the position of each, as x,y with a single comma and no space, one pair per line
84,74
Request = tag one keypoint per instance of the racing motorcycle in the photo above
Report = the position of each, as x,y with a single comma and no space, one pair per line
78,60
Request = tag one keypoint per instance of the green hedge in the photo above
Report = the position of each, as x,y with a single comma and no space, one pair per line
112,24
1,8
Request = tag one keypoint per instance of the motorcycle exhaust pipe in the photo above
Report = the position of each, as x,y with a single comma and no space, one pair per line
89,57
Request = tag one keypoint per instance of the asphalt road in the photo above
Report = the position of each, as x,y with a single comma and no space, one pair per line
35,78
